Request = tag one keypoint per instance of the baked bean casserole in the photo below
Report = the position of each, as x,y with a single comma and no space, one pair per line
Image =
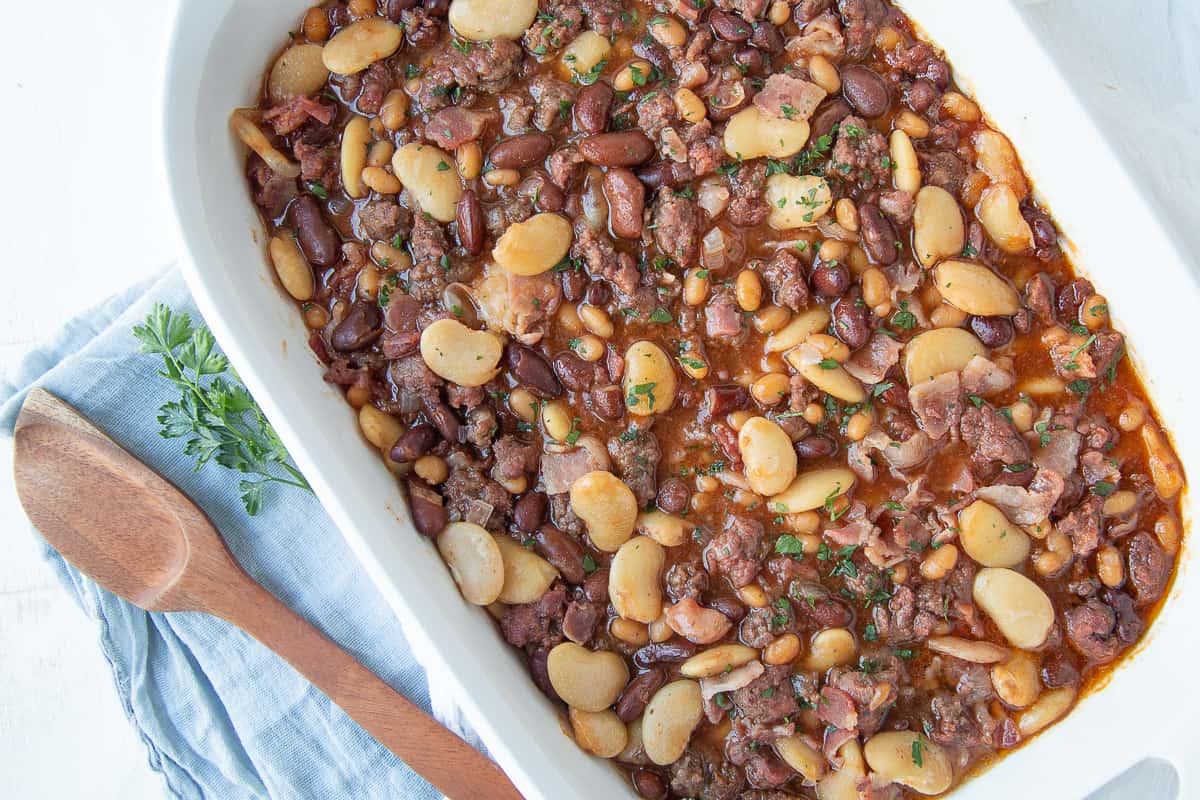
724,354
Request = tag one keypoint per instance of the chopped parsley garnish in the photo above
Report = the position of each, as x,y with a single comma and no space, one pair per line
789,545
319,190
660,314
589,563
1103,488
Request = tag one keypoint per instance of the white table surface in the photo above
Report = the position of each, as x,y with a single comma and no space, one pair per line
84,211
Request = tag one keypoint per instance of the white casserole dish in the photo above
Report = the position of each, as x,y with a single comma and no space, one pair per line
219,51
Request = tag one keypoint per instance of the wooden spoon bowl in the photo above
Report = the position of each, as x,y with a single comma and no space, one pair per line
138,536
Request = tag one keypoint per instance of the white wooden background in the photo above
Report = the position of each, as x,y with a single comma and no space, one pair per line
83,210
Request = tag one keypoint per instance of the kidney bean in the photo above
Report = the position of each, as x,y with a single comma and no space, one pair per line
442,417
726,397
1071,297
540,672
665,173
766,37
558,548
573,285
878,235
816,446
394,7
470,223
671,652
598,293
608,402
624,149
726,98
866,90
828,114
428,510
637,694
921,95
529,512
533,371
626,201
575,373
521,151
436,8
595,586
992,331
414,443
361,326
649,784
319,241
751,61
593,106
653,52
545,195
729,27
673,496
850,321
729,606
830,280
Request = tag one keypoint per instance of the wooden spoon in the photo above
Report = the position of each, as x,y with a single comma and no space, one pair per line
138,536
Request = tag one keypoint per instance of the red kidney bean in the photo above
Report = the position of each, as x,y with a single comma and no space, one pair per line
921,95
653,52
319,241
575,373
436,8
521,151
725,98
850,321
673,496
766,37
728,26
726,397
414,443
533,371
362,325
529,512
540,672
608,402
593,106
830,280
992,331
626,197
442,417
671,652
573,284
598,293
751,61
866,90
729,606
545,195
637,694
595,586
815,446
828,114
624,149
665,173
563,552
649,784
427,507
1071,297
878,235
471,227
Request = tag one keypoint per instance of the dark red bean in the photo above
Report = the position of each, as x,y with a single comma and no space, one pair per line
521,151
866,90
414,443
850,321
626,197
362,325
575,373
560,550
428,510
540,672
442,417
598,293
649,785
471,227
436,8
624,149
671,652
815,446
766,37
637,694
992,331
921,95
545,195
729,606
533,371
751,61
828,114
595,586
319,241
729,27
1071,297
830,280
529,512
665,173
878,235
673,496
653,52
608,402
726,397
727,98
593,106
574,284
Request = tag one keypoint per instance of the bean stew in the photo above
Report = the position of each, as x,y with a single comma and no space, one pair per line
725,356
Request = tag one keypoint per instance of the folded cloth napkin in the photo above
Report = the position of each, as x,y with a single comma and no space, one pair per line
221,716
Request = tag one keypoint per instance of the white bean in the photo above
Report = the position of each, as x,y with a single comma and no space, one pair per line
908,758
768,454
994,155
1000,212
460,354
535,245
938,230
752,134
600,733
634,579
294,271
584,52
669,530
989,538
608,508
936,352
355,139
829,648
977,652
975,289
360,44
797,201
586,679
298,72
1018,606
1016,680
795,332
527,575
649,382
486,20
474,560
670,717
1045,710
429,174
813,489
253,137
715,660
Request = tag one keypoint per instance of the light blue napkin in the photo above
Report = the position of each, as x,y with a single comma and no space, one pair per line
221,716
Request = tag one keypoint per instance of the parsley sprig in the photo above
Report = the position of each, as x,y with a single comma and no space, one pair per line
215,412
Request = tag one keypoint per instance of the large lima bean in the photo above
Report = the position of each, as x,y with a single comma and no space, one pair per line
670,717
429,174
586,679
527,575
474,560
634,579
768,455
1018,606
486,20
608,508
890,755
459,354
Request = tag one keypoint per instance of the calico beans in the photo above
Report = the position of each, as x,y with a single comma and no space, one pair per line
527,575
768,454
293,269
585,679
600,733
427,173
299,71
935,352
670,717
360,44
608,508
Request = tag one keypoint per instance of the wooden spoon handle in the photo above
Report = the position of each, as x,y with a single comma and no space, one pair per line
454,767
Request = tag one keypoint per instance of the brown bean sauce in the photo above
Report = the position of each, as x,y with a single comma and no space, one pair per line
1052,422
